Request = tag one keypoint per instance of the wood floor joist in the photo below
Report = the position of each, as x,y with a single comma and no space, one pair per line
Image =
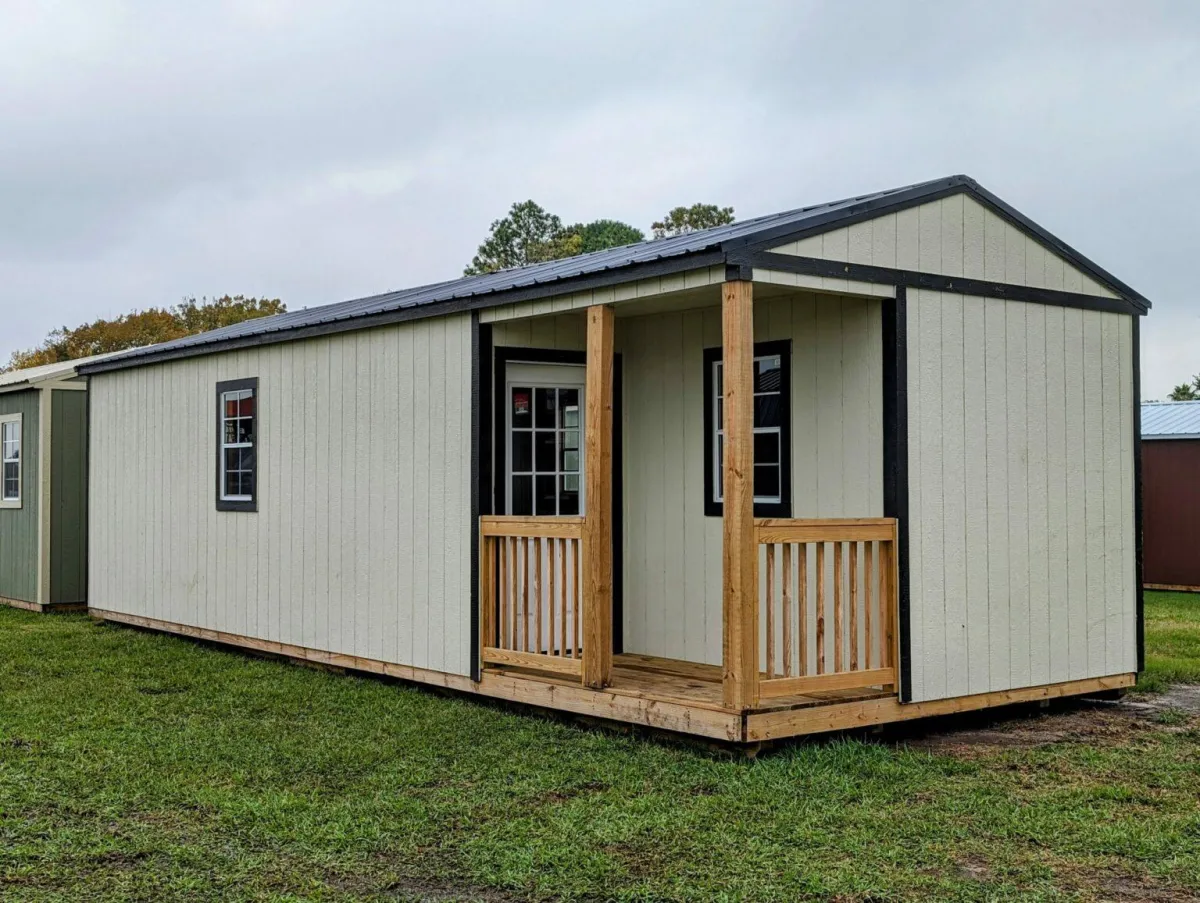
1173,587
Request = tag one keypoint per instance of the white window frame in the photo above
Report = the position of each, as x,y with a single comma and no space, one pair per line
5,460
228,390
719,436
543,376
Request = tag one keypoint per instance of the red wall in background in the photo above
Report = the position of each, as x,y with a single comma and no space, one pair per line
1171,518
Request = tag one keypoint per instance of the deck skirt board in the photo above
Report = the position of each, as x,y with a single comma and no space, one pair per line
664,694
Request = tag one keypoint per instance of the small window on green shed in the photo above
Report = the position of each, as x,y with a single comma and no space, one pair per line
10,460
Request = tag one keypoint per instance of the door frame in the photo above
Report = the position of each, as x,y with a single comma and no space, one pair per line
502,356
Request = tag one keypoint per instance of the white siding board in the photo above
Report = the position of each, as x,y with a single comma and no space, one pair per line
1021,502
316,565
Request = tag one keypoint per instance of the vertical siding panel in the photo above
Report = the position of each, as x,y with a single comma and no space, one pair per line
423,532
1035,264
930,238
686,620
953,481
855,405
286,598
1014,255
829,425
1039,603
656,500
1128,528
953,250
993,248
908,239
1113,502
367,487
691,365
409,537
1058,598
1018,495
975,479
805,443
385,406
1075,416
974,241
999,592
1093,456
883,240
859,242
933,523
917,487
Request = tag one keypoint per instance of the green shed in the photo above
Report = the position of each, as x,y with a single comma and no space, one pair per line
43,487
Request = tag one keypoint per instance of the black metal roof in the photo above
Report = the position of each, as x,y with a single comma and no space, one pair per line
614,265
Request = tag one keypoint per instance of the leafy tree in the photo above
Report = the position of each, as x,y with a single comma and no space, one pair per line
1187,391
145,327
682,220
527,235
607,233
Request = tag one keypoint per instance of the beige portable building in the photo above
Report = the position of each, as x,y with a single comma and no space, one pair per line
865,461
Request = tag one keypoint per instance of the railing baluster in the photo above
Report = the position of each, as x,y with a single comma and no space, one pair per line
854,606
838,638
575,643
802,606
770,610
537,592
787,610
562,592
820,607
885,603
551,597
869,549
512,542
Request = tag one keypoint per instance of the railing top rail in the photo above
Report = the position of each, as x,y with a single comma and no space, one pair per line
779,530
532,527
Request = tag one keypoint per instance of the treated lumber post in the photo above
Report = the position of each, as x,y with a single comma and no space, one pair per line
739,554
597,521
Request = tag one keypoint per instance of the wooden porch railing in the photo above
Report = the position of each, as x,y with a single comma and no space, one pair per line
827,596
530,592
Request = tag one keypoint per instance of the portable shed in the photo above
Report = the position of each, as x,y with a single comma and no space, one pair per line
43,492
1171,483
854,463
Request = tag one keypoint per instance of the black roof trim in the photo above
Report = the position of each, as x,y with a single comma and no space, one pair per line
722,245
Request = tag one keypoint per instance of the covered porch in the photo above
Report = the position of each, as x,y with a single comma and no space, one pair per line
806,614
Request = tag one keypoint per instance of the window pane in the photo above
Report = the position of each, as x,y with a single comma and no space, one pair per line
246,429
767,374
522,495
766,481
544,408
233,459
246,405
231,405
248,483
522,444
247,458
568,406
568,497
768,410
766,448
233,485
12,489
544,451
230,432
571,439
720,412
522,413
719,377
546,500
570,461
720,480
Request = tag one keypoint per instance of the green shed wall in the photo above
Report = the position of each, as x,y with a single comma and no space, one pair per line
68,496
19,526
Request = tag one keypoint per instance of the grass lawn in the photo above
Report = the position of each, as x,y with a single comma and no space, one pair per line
142,767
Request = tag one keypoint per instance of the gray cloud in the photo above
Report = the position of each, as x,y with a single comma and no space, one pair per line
317,152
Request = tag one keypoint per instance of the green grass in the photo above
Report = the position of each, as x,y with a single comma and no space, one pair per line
135,766
1172,640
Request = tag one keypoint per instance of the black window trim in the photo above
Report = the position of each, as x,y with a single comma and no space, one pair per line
782,508
233,385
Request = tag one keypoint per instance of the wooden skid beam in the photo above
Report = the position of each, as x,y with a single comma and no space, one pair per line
598,493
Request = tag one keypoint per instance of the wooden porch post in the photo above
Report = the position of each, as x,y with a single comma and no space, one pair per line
598,495
739,555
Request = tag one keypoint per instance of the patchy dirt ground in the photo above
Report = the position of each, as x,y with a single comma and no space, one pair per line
1099,722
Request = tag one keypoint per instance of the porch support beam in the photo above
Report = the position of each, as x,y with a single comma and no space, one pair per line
739,556
597,624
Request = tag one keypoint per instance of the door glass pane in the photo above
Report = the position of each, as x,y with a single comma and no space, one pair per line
544,408
568,406
544,451
522,495
768,410
546,501
522,411
767,374
766,448
568,497
766,481
522,454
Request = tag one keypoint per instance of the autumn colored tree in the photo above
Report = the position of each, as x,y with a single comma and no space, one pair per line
145,327
682,220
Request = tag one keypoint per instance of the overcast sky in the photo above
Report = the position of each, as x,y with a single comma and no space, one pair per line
316,152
